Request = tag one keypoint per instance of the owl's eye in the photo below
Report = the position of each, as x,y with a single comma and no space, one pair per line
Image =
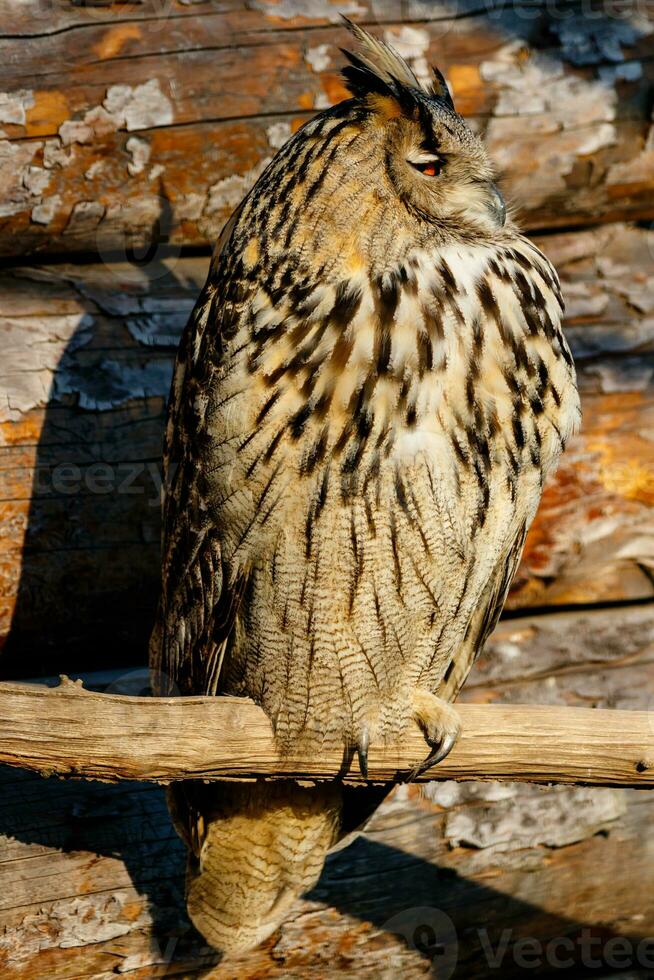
430,168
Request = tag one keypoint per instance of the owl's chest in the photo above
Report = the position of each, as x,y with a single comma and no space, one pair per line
368,377
368,366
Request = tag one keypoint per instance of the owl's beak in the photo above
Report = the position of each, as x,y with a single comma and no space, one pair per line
496,205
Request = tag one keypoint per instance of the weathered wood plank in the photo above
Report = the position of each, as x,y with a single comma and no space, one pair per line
43,18
113,121
406,873
593,536
600,658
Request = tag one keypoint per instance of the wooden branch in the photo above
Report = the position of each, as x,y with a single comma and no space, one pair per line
72,732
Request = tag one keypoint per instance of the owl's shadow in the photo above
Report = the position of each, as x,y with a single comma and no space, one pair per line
89,573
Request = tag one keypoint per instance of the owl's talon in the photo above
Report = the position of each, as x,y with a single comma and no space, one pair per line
441,726
439,752
362,752
446,746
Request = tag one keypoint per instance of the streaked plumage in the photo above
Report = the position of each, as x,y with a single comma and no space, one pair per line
368,397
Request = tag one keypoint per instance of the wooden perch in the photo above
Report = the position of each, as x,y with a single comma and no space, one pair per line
68,731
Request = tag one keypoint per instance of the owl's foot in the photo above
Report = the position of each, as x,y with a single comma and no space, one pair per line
440,724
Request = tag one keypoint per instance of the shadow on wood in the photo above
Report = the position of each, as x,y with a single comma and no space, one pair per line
91,879
80,471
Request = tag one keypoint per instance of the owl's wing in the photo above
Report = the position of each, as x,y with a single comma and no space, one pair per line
484,620
197,605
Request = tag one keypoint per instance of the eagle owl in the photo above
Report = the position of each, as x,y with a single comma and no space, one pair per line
367,399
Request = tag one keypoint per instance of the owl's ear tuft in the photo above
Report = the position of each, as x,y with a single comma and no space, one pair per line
439,88
380,58
386,96
379,75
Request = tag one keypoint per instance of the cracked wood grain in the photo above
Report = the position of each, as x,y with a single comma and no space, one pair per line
36,18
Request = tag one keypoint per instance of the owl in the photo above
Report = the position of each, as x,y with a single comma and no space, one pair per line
367,399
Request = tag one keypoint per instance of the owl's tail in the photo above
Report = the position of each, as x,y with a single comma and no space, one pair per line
254,848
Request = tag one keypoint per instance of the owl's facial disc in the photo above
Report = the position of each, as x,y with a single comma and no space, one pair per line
442,174
435,165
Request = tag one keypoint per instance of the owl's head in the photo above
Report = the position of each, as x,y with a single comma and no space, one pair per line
435,163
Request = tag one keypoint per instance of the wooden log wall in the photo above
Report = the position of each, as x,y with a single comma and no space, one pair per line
128,131
103,107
